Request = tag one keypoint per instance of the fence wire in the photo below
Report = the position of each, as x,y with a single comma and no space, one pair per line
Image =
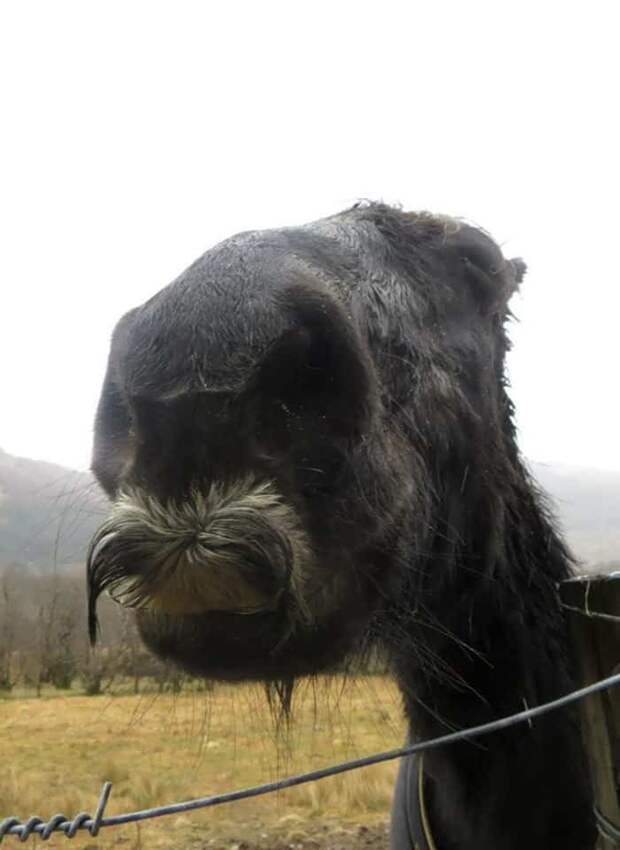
83,820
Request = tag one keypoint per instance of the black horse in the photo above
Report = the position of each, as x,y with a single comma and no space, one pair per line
310,451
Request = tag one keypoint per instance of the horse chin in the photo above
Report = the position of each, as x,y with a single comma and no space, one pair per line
234,646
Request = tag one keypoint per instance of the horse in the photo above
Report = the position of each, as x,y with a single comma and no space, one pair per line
310,451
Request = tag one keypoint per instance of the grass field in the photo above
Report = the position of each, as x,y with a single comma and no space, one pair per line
57,750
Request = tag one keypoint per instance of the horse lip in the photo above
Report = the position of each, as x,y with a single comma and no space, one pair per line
250,611
178,601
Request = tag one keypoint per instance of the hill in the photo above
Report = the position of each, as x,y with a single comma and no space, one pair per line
587,503
47,512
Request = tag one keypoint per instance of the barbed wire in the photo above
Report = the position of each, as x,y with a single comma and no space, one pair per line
60,823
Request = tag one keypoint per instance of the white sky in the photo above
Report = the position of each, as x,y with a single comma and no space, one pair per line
137,134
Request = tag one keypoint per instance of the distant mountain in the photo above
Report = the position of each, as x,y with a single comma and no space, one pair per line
587,503
48,513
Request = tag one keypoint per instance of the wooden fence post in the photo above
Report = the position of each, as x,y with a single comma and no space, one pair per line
592,610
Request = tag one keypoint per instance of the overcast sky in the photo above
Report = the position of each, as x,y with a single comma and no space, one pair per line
136,135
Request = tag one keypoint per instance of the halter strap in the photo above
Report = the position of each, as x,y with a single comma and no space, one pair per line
426,828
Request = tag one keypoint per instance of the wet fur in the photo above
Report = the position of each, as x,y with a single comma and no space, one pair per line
358,363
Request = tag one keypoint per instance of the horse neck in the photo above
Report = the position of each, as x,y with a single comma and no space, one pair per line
523,787
474,641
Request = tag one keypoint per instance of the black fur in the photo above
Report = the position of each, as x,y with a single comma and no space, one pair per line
358,362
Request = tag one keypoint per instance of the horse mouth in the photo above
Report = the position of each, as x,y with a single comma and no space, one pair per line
186,589
183,582
226,584
183,568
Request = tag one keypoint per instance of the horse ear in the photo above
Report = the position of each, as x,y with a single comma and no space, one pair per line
491,278
508,282
519,268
